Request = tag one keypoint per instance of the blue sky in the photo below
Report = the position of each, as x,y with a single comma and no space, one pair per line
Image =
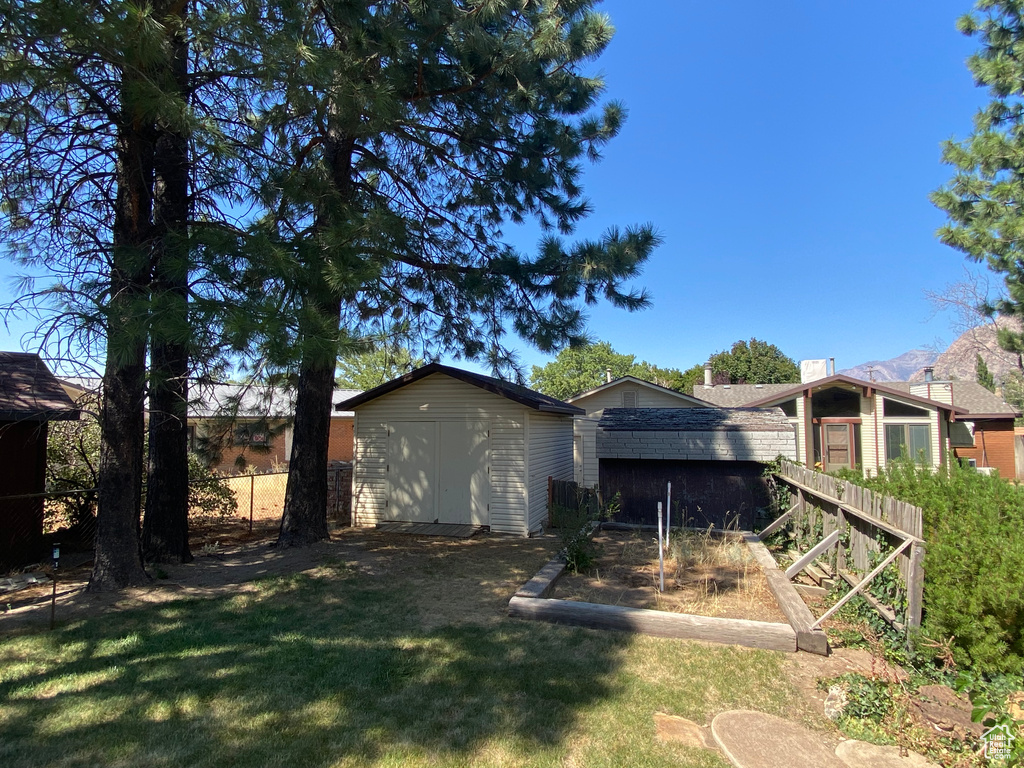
785,151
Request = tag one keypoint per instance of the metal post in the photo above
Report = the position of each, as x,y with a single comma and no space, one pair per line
661,552
53,596
668,516
252,492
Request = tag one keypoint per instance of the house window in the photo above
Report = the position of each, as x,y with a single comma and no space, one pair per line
255,434
908,440
629,398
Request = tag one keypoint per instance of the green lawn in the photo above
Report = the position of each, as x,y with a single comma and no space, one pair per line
346,668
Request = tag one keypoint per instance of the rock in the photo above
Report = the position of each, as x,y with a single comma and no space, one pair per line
1015,705
940,708
679,730
860,754
835,702
756,740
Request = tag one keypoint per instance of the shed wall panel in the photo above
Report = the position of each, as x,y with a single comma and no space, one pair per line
704,493
550,456
438,398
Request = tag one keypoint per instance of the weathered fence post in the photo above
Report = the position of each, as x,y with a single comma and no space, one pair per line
915,585
252,493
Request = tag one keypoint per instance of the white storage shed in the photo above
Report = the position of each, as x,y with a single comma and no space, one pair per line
445,445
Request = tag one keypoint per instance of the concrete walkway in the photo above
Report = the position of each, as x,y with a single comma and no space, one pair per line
756,740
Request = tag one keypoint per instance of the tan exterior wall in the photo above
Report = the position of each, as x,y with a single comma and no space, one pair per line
997,439
585,427
276,458
438,398
340,446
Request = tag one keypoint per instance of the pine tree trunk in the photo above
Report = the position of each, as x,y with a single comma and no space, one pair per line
165,524
305,504
304,520
118,560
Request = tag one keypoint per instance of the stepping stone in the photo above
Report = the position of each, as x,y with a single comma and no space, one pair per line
679,730
756,740
860,754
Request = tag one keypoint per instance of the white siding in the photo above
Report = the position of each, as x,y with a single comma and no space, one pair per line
586,426
869,438
439,398
550,455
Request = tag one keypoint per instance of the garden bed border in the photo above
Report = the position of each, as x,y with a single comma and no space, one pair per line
531,601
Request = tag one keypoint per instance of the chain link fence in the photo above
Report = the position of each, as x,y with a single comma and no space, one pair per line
222,510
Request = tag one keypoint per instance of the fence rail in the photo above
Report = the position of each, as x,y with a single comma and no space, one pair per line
864,521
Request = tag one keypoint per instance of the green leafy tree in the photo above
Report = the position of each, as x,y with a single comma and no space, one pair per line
578,369
366,370
983,199
755,362
983,375
399,138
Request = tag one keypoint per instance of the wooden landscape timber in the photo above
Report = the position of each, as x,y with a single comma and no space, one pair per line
531,602
752,634
808,637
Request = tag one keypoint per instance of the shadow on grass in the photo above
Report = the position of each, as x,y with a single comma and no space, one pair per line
311,671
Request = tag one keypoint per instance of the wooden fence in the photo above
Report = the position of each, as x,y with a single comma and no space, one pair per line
568,495
864,520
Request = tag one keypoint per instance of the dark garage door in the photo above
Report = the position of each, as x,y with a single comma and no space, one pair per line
704,493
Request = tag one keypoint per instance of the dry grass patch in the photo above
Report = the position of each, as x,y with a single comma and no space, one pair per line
705,575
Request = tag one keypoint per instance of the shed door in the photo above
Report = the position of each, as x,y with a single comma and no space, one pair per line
412,471
464,480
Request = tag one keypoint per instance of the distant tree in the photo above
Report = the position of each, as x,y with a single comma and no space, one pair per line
755,362
984,376
369,369
691,377
985,196
578,369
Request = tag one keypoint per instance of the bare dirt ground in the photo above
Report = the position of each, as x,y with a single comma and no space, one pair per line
704,575
455,578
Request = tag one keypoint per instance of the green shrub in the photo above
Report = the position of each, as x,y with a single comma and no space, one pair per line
209,496
974,563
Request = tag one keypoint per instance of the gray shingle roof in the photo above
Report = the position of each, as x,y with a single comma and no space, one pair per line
735,395
694,420
29,392
970,395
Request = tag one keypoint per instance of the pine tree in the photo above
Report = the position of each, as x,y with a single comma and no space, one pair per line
400,138
983,375
983,200
95,193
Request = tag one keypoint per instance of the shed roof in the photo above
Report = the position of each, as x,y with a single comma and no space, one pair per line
694,420
29,392
515,392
